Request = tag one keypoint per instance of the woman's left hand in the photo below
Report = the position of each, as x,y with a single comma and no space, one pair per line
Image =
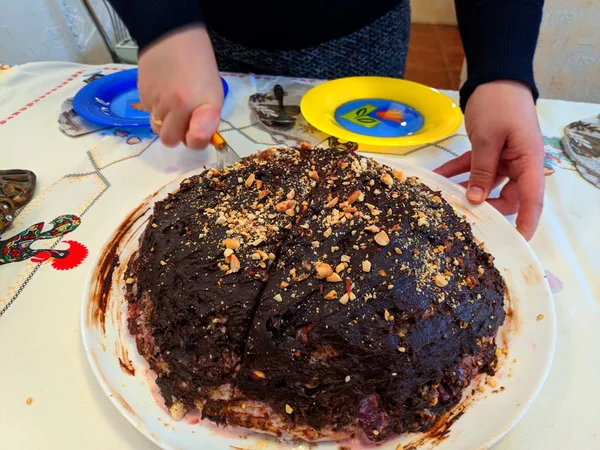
507,143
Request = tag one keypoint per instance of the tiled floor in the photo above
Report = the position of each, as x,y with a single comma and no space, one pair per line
435,56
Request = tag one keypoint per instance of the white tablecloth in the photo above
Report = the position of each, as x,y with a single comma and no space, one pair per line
101,176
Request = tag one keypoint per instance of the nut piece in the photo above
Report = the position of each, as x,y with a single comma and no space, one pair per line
388,317
233,244
387,179
221,220
129,281
372,228
332,202
398,175
382,238
284,205
29,400
263,194
283,285
492,382
290,195
249,181
314,175
228,252
331,295
288,409
323,270
344,299
366,266
334,278
540,317
258,374
327,232
234,262
278,298
356,195
178,410
440,280
340,267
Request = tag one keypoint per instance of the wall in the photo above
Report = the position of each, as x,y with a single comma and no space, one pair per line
42,30
433,11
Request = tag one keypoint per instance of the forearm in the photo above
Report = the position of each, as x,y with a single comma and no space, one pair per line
148,20
499,38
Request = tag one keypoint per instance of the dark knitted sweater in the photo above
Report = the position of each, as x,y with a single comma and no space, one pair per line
499,36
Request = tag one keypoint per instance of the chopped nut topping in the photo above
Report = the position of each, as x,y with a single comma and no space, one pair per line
290,212
154,225
422,222
540,317
249,181
263,194
235,264
437,199
290,195
315,244
401,349
372,229
344,299
331,295
334,278
284,284
366,266
228,252
388,317
129,281
332,202
289,409
327,232
382,238
29,400
278,298
284,205
398,251
258,374
323,270
440,280
345,258
314,175
492,382
233,244
347,379
356,195
399,175
340,267
163,263
387,179
221,220
480,270
375,433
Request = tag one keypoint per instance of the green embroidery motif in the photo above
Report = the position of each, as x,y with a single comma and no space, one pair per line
360,116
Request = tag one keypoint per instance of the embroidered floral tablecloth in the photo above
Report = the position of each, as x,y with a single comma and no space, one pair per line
87,184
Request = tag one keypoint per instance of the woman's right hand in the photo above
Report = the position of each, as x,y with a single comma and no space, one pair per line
180,86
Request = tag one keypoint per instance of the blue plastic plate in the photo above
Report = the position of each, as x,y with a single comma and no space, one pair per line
110,100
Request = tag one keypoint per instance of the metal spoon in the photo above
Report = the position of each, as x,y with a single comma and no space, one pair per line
282,120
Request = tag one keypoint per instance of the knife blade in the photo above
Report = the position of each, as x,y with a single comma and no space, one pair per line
226,156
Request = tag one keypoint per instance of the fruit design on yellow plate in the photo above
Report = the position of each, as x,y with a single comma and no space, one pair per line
393,115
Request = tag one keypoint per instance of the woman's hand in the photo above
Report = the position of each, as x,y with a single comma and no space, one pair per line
180,85
506,141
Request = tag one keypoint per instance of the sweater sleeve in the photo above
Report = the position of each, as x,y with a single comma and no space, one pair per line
148,20
499,38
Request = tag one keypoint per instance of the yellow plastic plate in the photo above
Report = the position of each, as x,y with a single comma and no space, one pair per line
381,111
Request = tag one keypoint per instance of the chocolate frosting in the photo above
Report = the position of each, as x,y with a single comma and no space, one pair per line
330,288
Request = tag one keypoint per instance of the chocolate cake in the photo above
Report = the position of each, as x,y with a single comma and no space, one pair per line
313,293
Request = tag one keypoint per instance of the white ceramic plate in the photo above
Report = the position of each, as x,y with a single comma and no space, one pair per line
485,417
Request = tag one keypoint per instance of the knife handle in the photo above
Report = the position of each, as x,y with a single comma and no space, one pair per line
217,141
